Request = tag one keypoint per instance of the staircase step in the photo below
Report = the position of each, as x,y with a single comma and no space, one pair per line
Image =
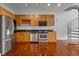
70,37
74,36
74,33
75,30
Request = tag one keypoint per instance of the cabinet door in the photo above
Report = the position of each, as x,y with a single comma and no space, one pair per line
50,20
19,37
34,21
26,36
52,37
23,37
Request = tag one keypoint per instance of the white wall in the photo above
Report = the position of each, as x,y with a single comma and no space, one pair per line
61,20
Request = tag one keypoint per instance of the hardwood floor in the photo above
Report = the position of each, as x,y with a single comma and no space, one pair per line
61,48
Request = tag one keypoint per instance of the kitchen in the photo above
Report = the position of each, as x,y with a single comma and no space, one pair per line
37,29
41,25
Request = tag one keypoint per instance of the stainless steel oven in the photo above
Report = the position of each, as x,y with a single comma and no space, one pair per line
43,37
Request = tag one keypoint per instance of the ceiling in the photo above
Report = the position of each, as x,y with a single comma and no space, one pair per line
35,8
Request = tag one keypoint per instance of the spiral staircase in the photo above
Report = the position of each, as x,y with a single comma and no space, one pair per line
72,27
73,31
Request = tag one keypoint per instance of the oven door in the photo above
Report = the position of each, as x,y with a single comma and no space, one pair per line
43,37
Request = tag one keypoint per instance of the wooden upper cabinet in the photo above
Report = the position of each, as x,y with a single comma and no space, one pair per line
43,18
18,21
53,20
35,20
26,21
48,18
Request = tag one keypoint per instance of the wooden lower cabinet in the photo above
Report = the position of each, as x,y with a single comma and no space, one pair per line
23,37
51,36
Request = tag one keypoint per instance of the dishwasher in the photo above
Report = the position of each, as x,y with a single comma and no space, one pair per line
33,36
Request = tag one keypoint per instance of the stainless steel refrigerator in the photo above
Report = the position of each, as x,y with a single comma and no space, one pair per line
7,35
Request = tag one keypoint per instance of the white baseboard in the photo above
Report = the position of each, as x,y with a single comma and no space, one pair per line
64,37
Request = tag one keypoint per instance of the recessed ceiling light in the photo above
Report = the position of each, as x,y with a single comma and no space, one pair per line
58,4
48,4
